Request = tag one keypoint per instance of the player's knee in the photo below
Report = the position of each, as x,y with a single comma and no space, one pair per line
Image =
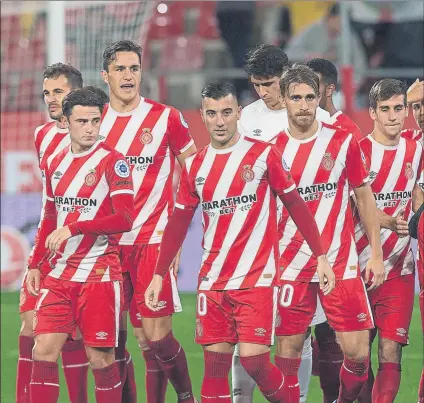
389,351
290,346
26,324
141,338
44,350
100,357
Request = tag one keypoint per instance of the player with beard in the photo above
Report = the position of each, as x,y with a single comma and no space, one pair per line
325,163
415,98
59,80
153,137
395,165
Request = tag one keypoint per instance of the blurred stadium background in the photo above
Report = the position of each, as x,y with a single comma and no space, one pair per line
186,43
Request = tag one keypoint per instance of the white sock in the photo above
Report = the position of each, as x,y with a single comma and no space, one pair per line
305,369
243,384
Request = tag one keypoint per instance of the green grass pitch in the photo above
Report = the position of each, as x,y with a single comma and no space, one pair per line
184,324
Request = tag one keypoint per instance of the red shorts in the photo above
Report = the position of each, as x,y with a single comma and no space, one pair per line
92,307
234,316
146,257
346,307
27,301
130,304
392,304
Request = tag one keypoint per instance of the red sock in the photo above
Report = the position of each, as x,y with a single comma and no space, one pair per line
330,360
108,384
23,372
44,386
172,359
156,380
129,388
215,385
366,392
267,376
290,368
387,383
421,388
353,376
75,367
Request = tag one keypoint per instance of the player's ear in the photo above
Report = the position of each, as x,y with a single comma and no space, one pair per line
329,90
239,108
64,121
201,115
407,110
372,113
104,76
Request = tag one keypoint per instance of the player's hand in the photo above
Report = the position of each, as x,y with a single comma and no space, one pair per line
57,237
33,281
415,92
327,278
376,267
151,296
175,265
400,226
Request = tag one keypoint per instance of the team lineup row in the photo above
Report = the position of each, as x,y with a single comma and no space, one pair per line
305,223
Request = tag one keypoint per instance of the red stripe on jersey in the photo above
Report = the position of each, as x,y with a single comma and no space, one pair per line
39,136
412,134
224,221
116,130
345,122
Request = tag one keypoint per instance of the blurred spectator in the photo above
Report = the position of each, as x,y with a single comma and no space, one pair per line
322,39
236,23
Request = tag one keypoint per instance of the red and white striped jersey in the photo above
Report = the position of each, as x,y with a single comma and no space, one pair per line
150,136
340,119
237,190
48,140
82,186
324,168
412,134
393,171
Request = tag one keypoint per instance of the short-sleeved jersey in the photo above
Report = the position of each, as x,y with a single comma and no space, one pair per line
259,122
340,119
412,134
324,168
237,190
82,186
393,173
150,137
48,140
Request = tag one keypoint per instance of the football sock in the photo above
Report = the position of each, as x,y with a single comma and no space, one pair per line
172,359
23,372
290,369
387,381
243,384
156,380
44,385
215,385
75,366
108,384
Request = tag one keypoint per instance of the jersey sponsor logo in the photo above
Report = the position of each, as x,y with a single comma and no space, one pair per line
327,162
91,178
146,136
122,169
229,205
140,163
183,122
101,335
247,173
409,172
313,192
75,201
392,198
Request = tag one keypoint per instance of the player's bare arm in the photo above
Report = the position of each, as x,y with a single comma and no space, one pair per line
368,213
417,197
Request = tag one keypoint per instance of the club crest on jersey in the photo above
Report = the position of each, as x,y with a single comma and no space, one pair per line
146,136
247,174
409,172
122,169
91,178
327,162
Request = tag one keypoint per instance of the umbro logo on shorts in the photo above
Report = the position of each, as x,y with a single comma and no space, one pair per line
401,332
259,331
362,317
101,335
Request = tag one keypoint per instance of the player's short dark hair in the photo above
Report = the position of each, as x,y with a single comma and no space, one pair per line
218,89
326,68
102,95
73,75
299,74
266,61
81,97
109,54
385,89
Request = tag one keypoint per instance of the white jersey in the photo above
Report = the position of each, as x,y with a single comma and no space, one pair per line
261,123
